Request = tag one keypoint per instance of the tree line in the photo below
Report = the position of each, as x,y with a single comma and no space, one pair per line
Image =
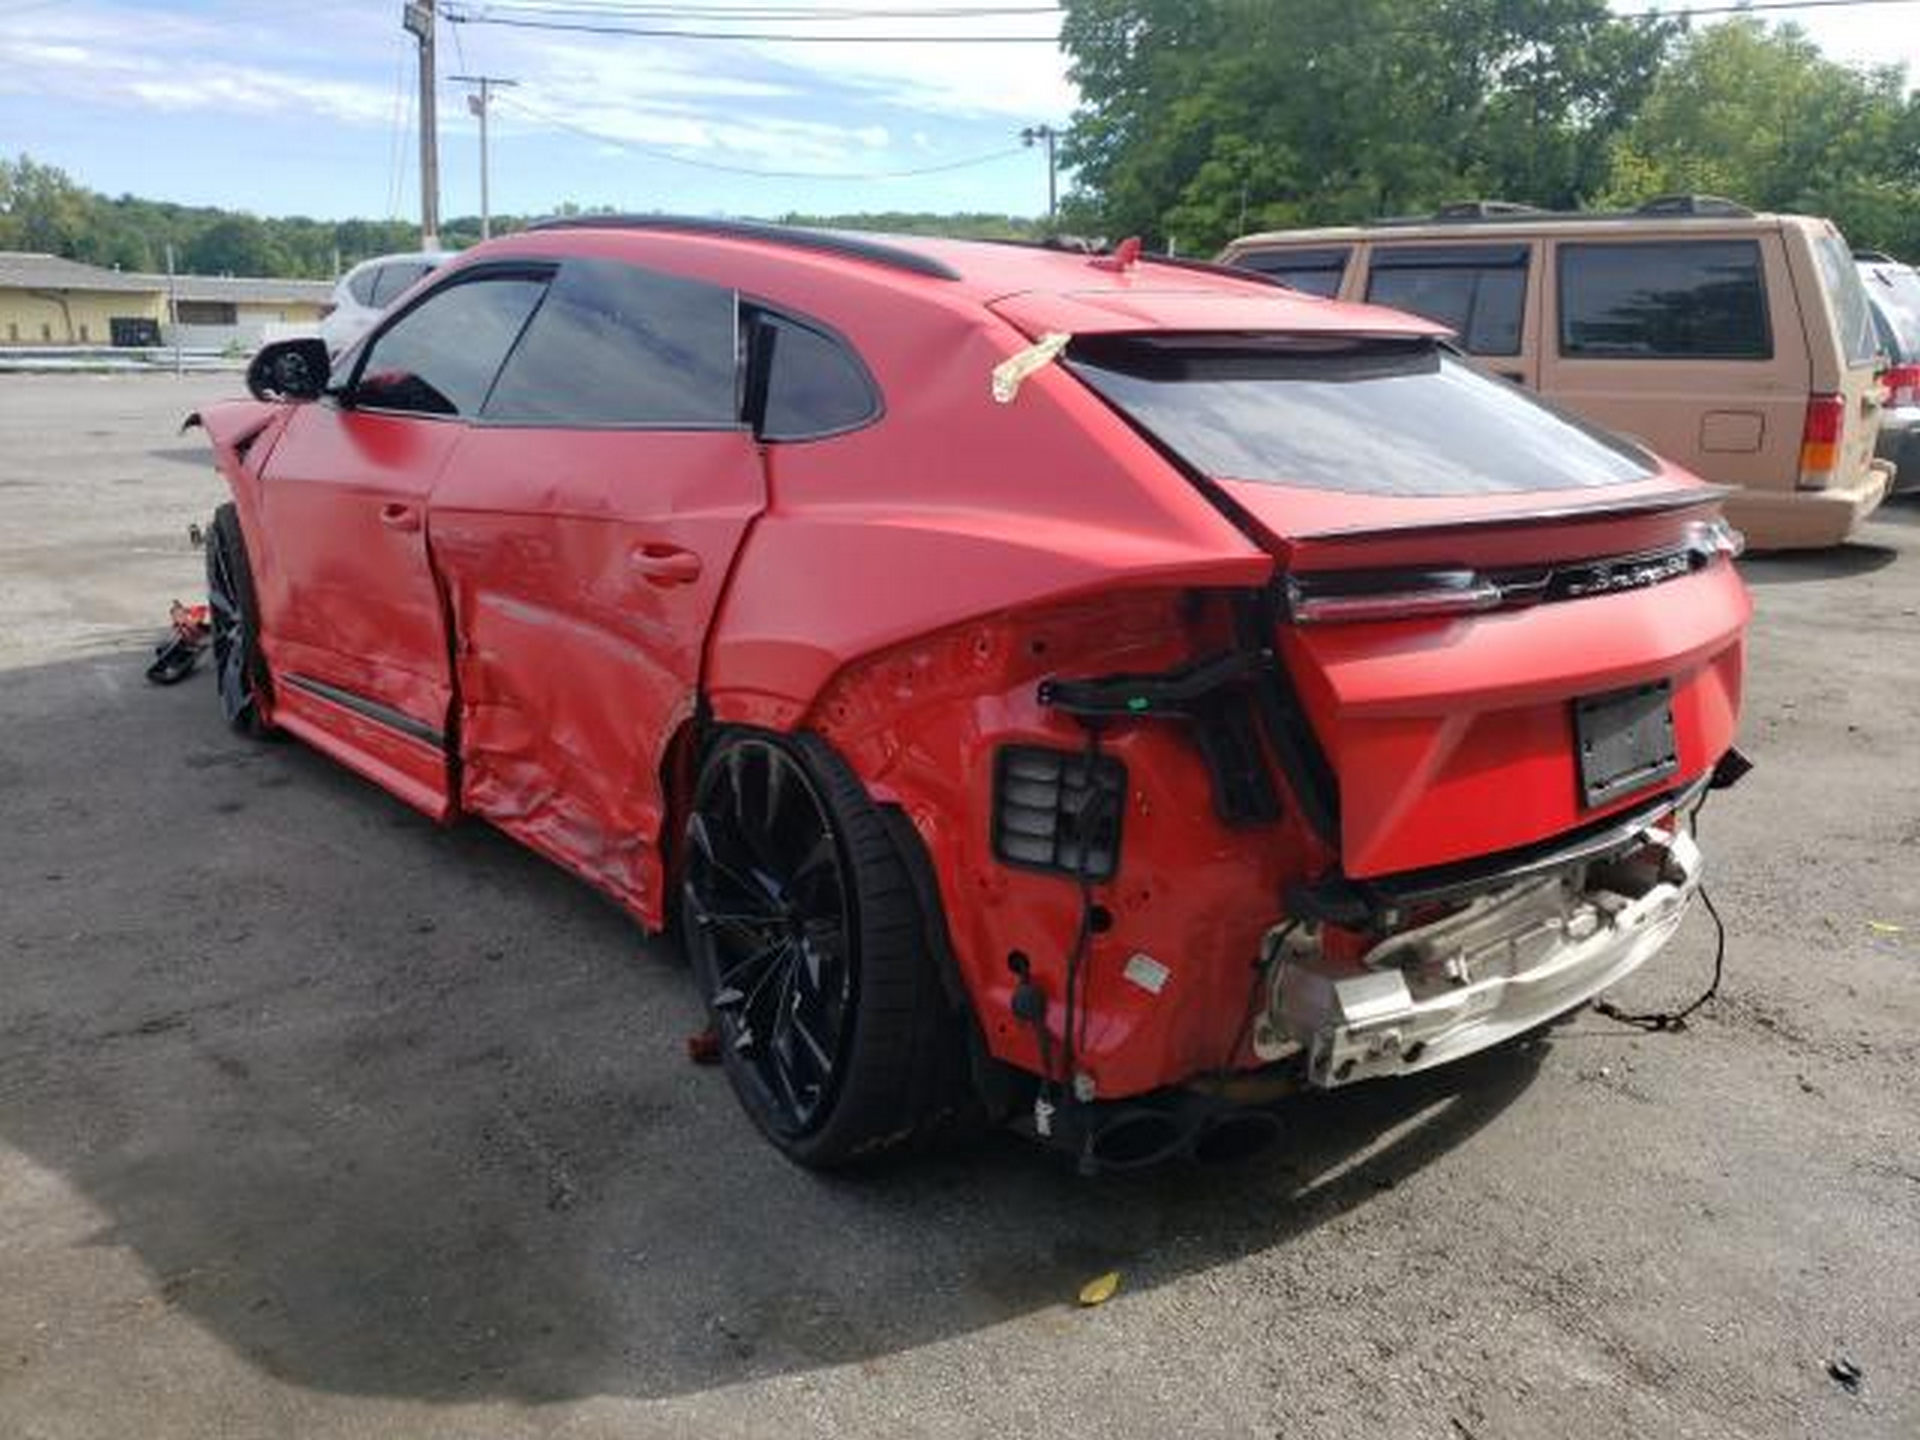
44,209
1204,119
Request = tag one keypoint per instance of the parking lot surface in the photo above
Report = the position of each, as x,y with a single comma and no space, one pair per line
317,1120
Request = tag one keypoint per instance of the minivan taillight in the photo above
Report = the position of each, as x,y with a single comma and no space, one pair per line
1903,386
1820,441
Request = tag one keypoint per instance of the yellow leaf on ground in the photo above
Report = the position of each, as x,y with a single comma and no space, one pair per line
1099,1290
1886,927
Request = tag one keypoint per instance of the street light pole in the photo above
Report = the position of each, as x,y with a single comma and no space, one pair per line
417,19
479,105
1031,136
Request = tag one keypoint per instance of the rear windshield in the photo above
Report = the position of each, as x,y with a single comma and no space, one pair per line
1850,309
1362,416
1895,293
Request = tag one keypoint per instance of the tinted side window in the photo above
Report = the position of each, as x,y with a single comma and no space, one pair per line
361,285
1317,272
815,385
616,345
1478,291
394,280
1681,299
440,357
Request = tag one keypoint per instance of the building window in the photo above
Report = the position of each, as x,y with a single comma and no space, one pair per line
46,331
208,312
84,336
13,331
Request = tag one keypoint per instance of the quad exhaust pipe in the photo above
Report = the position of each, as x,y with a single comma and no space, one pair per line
1113,1137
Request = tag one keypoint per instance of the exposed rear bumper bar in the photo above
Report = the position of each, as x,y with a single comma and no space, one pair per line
1489,976
1340,900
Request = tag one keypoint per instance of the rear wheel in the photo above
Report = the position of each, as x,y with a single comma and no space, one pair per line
233,623
811,950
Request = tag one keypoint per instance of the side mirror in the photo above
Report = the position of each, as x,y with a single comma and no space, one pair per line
290,370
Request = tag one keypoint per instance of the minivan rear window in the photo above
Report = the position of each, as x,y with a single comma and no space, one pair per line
1379,417
1851,312
1316,272
1664,300
1895,293
1477,291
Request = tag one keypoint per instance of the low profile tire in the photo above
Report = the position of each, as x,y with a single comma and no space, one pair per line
811,951
233,622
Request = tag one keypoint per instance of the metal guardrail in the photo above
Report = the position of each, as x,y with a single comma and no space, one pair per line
116,359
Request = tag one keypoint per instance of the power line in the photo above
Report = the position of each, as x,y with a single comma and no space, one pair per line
515,103
809,14
467,17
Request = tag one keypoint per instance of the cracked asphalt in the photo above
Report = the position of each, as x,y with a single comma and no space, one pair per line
316,1120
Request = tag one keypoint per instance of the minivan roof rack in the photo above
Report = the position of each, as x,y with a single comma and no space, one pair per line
1661,207
1874,257
830,242
1666,205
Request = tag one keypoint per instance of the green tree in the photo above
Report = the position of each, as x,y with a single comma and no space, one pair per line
1759,115
1204,118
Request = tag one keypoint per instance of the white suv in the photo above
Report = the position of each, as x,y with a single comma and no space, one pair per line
369,288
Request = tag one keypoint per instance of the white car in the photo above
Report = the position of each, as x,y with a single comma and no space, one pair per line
368,289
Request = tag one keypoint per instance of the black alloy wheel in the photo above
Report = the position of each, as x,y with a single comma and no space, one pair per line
809,947
232,622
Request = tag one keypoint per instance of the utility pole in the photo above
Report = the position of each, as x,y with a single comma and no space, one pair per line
1031,136
479,105
417,19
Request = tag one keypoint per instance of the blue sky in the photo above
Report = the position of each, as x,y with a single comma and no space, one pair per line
307,109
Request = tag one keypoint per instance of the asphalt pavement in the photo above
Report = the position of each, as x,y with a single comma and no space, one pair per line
317,1120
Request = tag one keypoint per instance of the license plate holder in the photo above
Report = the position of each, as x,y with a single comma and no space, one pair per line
1624,741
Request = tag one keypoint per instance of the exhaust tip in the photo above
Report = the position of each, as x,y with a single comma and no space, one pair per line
1235,1136
1136,1138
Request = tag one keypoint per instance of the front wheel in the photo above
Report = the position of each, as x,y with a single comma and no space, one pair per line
811,951
233,622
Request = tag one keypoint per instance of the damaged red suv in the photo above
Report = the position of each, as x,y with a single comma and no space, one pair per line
1066,686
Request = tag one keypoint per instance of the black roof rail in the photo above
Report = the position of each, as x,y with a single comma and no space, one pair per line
1874,257
1486,210
829,242
1711,205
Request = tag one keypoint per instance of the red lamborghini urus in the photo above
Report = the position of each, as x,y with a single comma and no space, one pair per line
1066,686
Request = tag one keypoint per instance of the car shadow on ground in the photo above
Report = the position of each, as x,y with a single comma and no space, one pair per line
401,1111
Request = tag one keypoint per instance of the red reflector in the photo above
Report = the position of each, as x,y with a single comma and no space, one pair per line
1826,414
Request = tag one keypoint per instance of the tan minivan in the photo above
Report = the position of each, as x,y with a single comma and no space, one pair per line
1739,344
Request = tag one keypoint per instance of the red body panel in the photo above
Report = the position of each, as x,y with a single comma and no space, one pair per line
582,570
903,589
348,597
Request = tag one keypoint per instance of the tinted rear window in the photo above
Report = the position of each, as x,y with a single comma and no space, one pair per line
614,345
1669,300
1365,417
1477,291
1848,296
1316,272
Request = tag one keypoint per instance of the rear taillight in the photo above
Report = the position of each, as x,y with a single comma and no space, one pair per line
1903,386
1410,597
1820,441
